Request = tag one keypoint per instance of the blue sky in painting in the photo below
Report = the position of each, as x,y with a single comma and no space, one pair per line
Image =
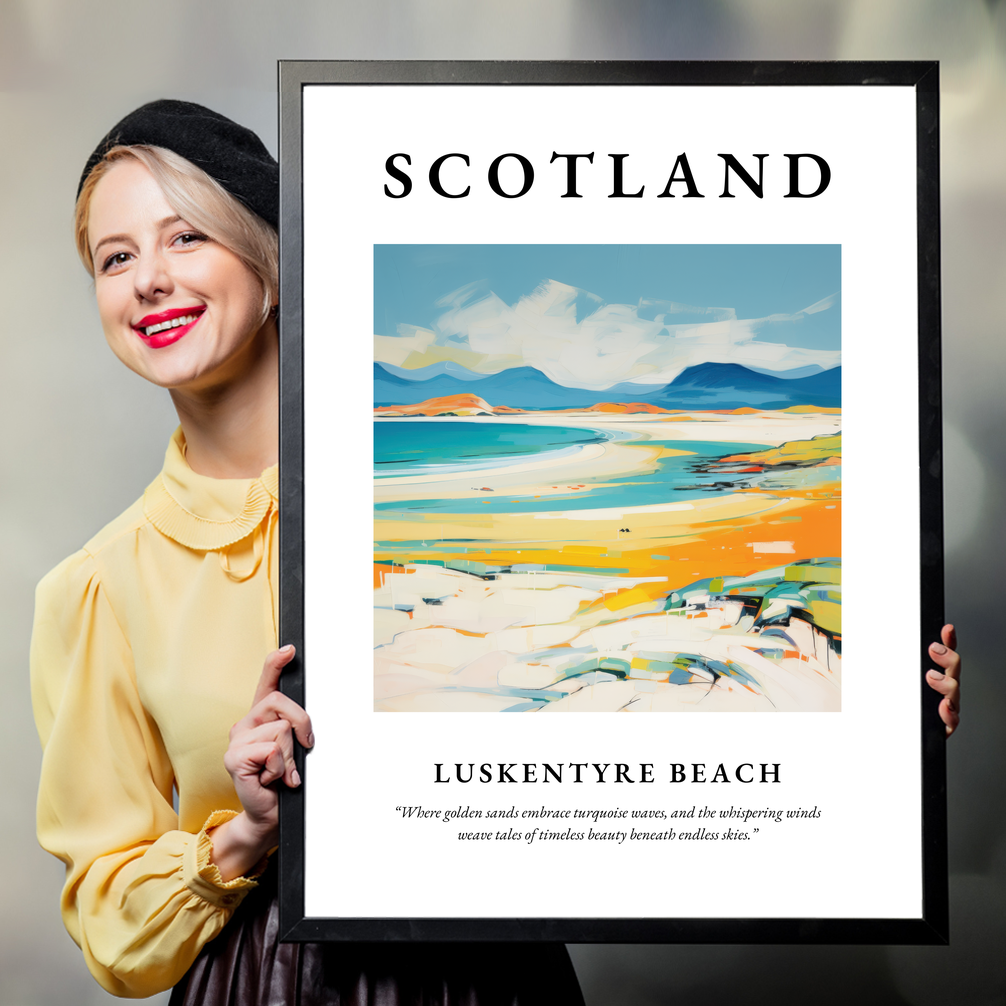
755,280
595,315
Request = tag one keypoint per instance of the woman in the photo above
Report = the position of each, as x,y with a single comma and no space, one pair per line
148,643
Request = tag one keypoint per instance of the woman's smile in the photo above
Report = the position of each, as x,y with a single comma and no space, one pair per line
166,327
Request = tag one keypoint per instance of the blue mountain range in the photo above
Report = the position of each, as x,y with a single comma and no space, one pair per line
705,386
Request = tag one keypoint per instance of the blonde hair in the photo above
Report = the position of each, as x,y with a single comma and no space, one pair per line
199,200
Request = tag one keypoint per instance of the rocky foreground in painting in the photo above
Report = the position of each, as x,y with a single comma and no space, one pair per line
554,642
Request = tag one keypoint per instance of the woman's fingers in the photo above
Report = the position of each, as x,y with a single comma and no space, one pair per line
949,688
261,749
274,766
949,636
257,760
277,706
946,681
949,710
278,735
270,703
947,658
271,671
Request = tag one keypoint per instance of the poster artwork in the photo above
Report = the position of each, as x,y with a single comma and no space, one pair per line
648,358
607,478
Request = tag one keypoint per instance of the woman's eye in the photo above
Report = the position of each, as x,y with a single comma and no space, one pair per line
114,261
190,238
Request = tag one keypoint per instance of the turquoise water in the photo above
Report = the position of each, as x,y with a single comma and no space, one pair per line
411,448
402,447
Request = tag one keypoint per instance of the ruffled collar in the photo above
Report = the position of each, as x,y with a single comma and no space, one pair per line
203,513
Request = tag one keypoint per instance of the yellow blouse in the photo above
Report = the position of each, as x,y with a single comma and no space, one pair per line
147,647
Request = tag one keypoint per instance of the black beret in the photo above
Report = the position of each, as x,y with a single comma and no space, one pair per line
231,154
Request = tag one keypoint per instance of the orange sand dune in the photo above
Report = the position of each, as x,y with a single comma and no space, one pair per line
813,408
458,405
626,408
798,527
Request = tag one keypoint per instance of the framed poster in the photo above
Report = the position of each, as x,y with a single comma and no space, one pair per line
612,389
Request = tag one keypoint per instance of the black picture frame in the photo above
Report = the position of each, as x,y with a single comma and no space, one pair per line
932,926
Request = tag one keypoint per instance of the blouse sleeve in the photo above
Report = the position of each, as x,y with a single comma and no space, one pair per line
141,898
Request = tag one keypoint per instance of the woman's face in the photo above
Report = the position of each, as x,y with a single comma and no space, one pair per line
177,308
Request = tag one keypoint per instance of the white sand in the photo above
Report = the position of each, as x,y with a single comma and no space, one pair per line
528,631
544,476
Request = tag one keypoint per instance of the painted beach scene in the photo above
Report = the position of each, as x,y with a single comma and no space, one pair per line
607,478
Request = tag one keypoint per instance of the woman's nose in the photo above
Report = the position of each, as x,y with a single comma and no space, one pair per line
152,277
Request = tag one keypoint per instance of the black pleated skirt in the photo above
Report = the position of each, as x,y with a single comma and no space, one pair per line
246,965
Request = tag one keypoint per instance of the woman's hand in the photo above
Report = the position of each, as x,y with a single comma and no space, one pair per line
260,753
947,682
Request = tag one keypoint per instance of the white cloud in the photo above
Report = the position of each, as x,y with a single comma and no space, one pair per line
649,343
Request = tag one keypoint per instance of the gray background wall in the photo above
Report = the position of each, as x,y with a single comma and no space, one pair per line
81,436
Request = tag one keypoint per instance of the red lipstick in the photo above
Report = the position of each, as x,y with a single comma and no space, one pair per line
165,332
